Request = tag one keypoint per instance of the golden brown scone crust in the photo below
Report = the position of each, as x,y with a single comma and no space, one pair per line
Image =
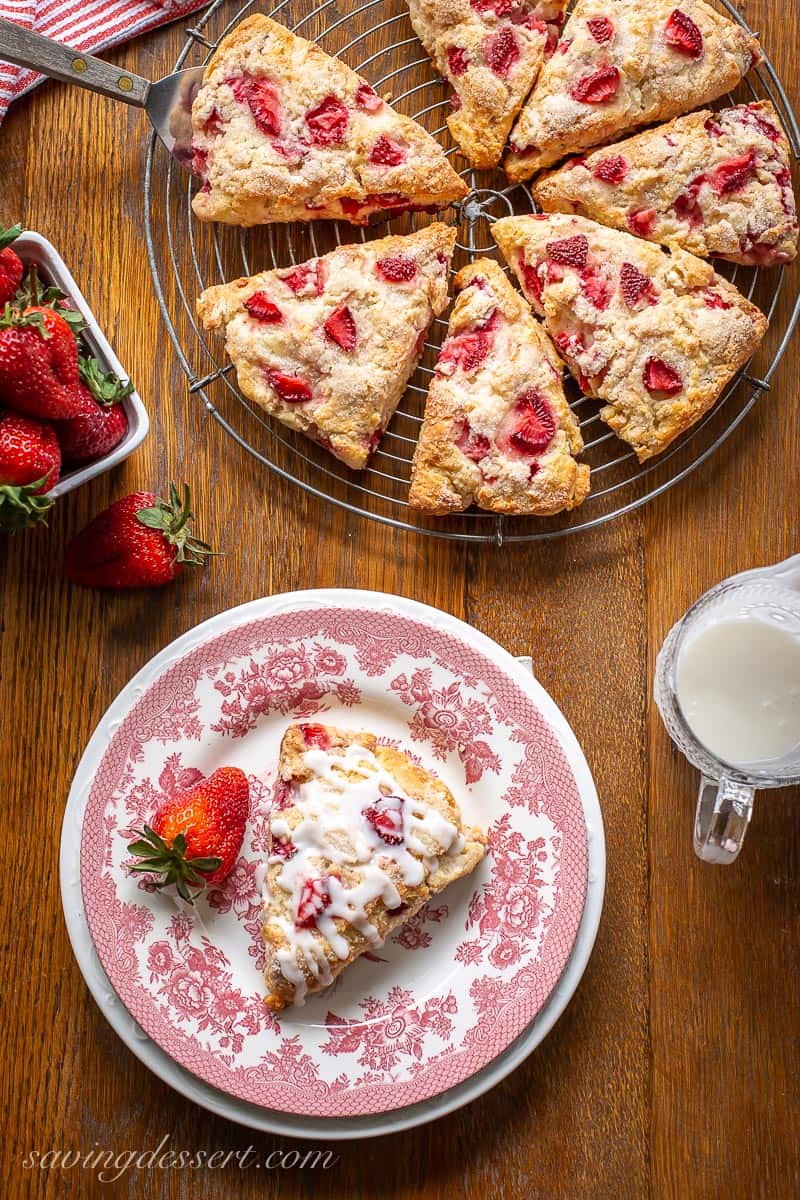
713,183
655,307
253,175
464,39
417,784
464,454
354,393
655,79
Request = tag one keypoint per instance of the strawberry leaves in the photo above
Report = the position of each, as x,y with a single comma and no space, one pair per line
170,864
106,387
171,518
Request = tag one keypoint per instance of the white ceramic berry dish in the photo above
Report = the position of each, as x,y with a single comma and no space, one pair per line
455,1003
35,250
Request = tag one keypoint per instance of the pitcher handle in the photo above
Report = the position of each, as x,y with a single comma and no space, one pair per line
724,809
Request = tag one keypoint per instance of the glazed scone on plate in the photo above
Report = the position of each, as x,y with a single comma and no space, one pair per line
361,838
621,64
327,347
713,183
498,431
284,132
491,52
655,334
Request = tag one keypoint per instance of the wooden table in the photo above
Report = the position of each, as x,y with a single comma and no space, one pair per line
674,1072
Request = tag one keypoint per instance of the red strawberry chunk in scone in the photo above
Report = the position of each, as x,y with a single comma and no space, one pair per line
314,898
501,51
327,123
681,33
386,818
475,445
262,98
572,251
340,327
466,351
261,308
293,389
387,153
598,86
457,61
368,99
659,376
601,29
636,286
612,169
534,426
316,735
396,269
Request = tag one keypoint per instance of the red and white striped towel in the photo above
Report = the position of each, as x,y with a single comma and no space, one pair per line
85,24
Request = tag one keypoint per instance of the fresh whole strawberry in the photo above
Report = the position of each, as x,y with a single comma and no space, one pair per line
30,463
140,541
101,423
11,268
196,836
38,363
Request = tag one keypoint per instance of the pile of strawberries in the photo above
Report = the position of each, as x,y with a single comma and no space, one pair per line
57,406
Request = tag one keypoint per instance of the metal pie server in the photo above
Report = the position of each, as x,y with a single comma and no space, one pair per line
167,102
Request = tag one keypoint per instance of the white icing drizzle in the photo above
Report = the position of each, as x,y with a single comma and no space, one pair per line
334,827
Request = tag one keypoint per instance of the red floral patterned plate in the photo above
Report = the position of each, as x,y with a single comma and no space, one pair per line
459,982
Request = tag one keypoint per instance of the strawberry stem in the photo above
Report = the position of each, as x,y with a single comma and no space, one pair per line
7,236
106,387
169,863
171,517
12,317
21,507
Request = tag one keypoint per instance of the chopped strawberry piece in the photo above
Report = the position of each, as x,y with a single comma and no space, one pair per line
612,169
687,204
641,221
386,818
327,123
531,280
712,127
535,428
564,46
456,60
475,445
387,153
555,272
298,279
466,351
340,328
284,794
682,34
199,161
596,288
501,51
659,376
262,98
598,86
713,299
368,99
570,344
213,124
260,307
768,128
291,388
499,7
283,847
455,102
601,29
733,175
577,161
571,251
389,200
636,286
397,269
313,900
316,735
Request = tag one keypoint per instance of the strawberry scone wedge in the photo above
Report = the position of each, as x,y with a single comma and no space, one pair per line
284,132
498,431
657,335
621,64
327,347
361,838
717,184
491,52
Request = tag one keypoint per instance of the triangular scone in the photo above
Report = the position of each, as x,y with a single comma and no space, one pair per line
498,431
361,838
327,347
284,132
621,64
657,335
713,183
491,52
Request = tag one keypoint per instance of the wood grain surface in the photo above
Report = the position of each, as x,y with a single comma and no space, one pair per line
674,1072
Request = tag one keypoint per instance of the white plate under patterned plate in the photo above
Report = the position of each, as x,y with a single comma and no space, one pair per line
456,990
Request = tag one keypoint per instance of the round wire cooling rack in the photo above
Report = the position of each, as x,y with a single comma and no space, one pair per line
375,37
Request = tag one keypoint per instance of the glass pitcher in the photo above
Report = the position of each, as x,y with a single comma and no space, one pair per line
725,800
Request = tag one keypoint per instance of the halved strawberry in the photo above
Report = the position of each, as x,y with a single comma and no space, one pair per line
612,169
659,376
641,221
387,152
535,427
293,389
601,29
316,735
327,123
259,306
501,51
571,251
386,818
314,898
682,34
636,286
396,269
598,86
340,328
456,60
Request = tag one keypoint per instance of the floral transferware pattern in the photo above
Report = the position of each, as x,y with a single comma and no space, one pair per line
398,1026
